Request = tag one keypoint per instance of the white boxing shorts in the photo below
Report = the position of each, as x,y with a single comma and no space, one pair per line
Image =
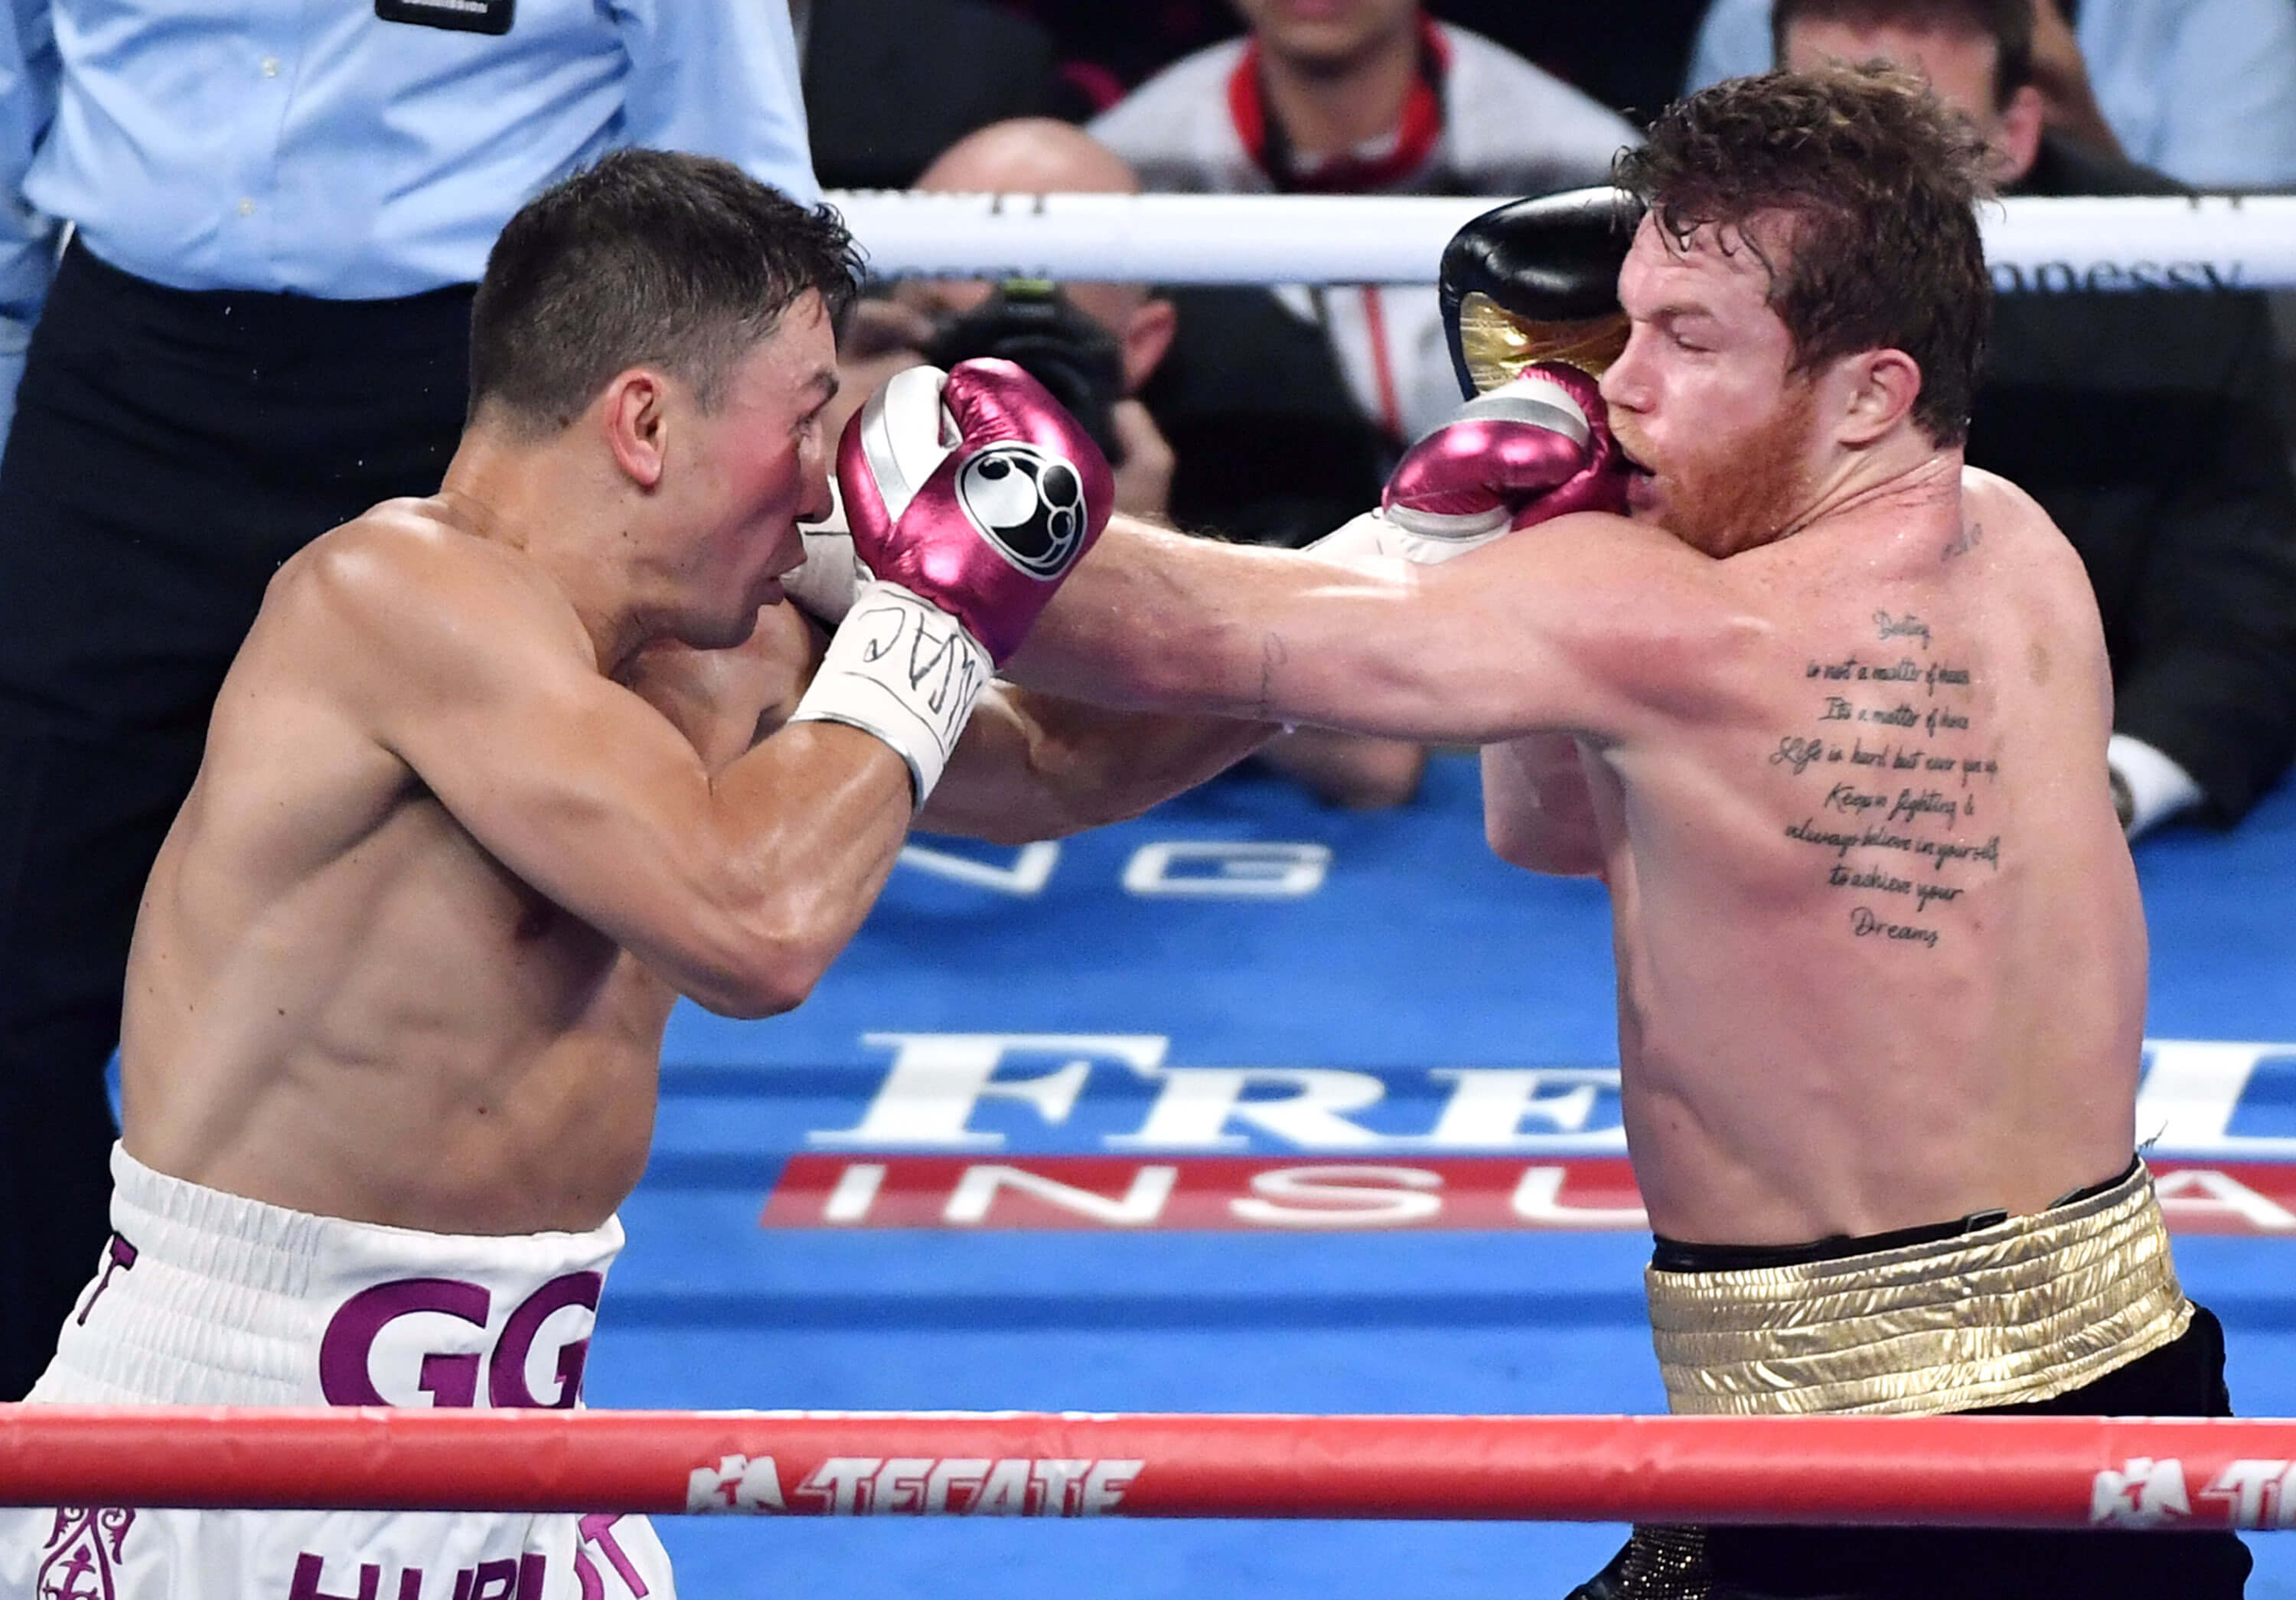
209,1299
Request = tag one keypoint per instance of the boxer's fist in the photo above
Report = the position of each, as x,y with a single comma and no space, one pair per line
969,497
974,491
1537,281
1529,292
1533,449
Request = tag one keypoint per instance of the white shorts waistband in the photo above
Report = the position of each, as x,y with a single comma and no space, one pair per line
206,1297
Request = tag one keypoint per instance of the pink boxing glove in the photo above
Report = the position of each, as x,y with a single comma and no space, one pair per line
969,495
1015,493
1534,447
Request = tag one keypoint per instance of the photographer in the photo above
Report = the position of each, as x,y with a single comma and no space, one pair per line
1281,461
1093,345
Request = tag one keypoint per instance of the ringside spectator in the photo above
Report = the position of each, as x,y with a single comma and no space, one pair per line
2201,90
1365,96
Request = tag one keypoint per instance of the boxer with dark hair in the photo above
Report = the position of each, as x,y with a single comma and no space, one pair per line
685,265
1826,711
487,787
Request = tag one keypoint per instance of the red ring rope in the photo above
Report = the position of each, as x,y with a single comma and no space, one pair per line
2024,1471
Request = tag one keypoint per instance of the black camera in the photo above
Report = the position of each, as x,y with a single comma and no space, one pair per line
1031,324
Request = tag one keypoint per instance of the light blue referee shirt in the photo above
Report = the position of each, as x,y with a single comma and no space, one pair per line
309,146
2203,90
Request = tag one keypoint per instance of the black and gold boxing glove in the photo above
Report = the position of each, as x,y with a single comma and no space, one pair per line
1537,281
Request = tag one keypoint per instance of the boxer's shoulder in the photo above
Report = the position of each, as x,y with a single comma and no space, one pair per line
411,578
1989,494
2006,540
1601,549
2000,524
432,539
1615,585
1633,607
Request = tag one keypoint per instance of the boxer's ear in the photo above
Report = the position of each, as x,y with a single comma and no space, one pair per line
1878,387
633,412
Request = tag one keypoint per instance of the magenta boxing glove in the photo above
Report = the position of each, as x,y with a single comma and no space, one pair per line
1534,447
1020,493
969,495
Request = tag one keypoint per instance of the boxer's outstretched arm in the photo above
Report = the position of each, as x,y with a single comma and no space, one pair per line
738,889
1575,626
1027,766
1034,766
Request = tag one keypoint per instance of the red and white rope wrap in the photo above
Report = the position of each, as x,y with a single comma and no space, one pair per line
2024,1471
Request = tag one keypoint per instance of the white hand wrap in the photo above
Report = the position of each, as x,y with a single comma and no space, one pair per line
1431,540
904,670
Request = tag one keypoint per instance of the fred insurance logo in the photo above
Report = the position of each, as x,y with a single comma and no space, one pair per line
972,1131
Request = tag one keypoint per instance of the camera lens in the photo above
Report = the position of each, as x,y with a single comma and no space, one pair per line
1032,324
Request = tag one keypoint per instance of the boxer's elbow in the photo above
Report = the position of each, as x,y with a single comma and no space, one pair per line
762,957
764,985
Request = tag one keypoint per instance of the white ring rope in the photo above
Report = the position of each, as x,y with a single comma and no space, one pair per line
2246,241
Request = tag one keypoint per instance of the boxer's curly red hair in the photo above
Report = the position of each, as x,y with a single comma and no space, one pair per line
1858,189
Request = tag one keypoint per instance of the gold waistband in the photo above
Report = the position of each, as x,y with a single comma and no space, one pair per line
2023,1310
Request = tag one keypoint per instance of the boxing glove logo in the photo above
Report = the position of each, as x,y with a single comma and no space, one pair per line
1027,504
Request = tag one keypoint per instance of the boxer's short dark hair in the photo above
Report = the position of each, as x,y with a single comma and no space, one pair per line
1877,185
650,258
2008,24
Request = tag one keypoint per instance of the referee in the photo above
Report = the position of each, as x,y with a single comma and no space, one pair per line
257,330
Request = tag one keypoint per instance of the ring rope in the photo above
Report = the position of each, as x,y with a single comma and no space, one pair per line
1995,1471
2245,242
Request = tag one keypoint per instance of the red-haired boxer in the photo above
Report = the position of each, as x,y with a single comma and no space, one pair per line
499,774
1826,712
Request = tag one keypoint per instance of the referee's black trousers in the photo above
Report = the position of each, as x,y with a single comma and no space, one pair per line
169,451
